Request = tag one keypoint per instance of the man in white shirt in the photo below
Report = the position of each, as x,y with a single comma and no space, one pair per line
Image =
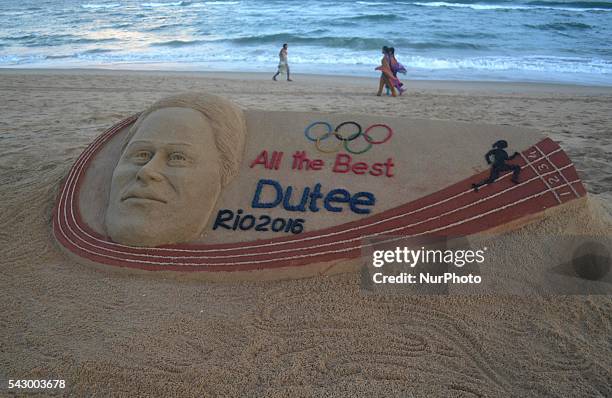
283,65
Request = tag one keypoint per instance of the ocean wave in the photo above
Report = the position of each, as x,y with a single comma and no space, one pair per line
561,26
42,40
13,13
18,38
358,43
469,5
86,40
348,43
534,5
170,4
585,5
97,51
163,27
441,45
215,3
58,56
176,43
352,43
116,25
15,59
462,35
33,58
523,64
372,17
95,6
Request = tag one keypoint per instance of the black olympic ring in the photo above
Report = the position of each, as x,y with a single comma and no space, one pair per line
350,137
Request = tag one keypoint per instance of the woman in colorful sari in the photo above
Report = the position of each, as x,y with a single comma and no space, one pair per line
387,77
396,67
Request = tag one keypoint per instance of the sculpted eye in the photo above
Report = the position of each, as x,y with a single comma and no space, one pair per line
177,158
142,156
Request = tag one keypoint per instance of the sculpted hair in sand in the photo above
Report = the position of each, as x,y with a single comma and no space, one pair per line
225,118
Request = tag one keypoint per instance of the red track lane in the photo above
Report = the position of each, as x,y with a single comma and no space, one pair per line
548,180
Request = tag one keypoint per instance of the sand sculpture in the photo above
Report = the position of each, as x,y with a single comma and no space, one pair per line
177,157
196,184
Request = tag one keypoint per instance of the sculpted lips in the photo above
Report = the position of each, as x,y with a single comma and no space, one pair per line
141,195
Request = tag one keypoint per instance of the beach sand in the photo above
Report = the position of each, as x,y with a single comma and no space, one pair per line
110,333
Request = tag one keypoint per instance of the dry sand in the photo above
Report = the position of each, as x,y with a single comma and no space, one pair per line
107,333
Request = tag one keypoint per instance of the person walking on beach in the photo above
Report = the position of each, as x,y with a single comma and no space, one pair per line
385,73
396,67
387,77
283,65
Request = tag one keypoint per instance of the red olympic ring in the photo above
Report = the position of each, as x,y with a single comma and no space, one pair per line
371,141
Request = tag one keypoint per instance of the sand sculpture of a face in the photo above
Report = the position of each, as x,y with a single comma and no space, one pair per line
178,156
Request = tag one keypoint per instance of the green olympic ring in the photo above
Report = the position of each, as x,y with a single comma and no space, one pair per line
367,148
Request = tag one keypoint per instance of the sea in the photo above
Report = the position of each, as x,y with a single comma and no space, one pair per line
560,41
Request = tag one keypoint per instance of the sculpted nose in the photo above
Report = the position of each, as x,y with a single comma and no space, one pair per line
151,171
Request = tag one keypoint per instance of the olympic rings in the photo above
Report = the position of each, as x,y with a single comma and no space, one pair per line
344,141
350,137
371,141
311,125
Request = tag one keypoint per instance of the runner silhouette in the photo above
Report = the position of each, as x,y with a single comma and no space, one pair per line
500,156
